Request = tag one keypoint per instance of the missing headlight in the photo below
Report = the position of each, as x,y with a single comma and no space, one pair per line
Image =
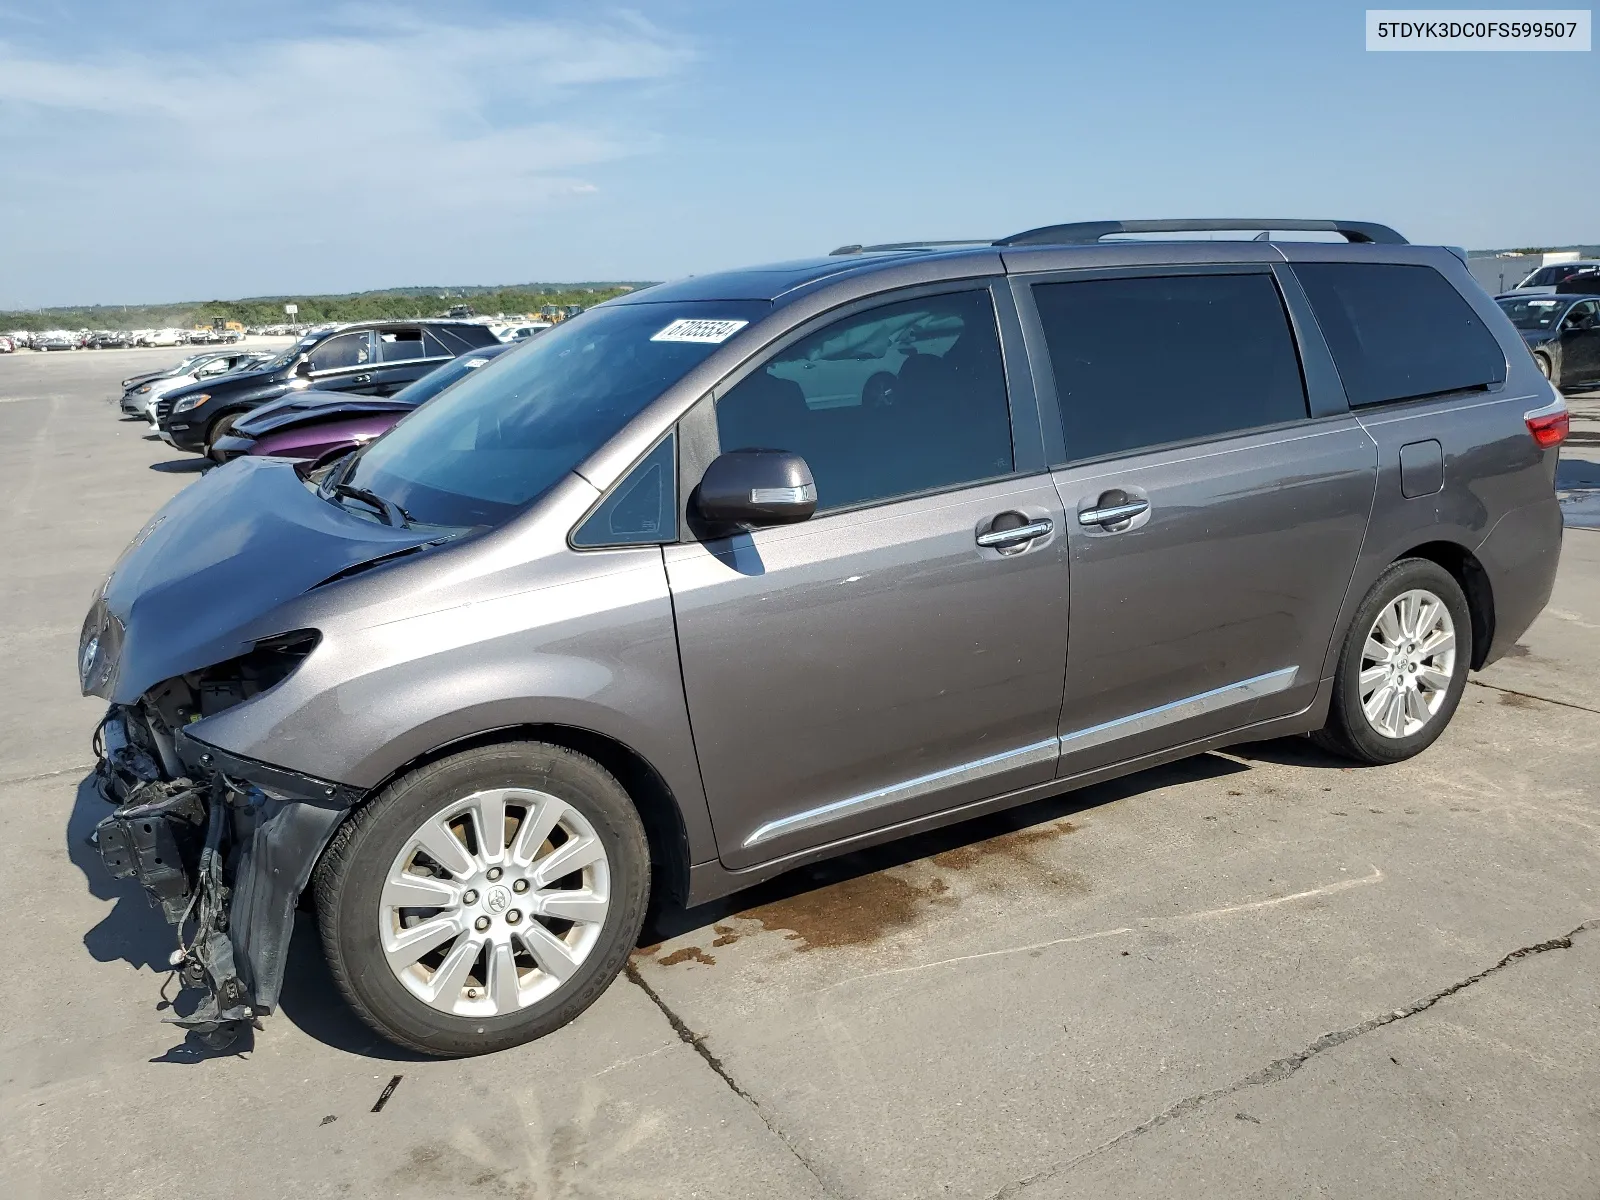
205,693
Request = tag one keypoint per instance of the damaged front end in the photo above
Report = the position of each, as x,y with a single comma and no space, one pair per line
223,844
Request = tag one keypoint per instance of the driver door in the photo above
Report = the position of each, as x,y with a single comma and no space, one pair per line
884,660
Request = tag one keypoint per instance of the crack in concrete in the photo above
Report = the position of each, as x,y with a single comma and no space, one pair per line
696,1042
46,774
1281,1068
1530,696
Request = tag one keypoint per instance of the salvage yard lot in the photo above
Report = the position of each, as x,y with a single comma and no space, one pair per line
1255,973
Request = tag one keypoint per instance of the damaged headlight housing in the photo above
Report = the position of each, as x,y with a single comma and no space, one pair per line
99,647
268,663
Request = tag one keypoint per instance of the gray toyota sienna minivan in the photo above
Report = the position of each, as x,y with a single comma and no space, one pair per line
735,573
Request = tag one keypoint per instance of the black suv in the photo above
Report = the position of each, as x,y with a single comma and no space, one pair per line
374,358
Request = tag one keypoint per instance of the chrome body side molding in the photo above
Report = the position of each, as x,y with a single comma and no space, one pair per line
1180,710
1046,751
1009,760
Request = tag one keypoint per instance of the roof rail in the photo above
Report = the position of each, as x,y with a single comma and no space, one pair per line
1083,233
858,249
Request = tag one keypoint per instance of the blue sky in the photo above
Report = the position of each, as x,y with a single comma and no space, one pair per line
178,151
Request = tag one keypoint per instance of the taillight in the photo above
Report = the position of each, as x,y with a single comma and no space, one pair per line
1549,425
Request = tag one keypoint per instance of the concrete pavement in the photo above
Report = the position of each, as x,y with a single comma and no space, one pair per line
1256,973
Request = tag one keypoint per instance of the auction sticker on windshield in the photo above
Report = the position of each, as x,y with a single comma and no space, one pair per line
714,332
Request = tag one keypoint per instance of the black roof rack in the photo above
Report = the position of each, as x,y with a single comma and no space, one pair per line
1083,233
858,249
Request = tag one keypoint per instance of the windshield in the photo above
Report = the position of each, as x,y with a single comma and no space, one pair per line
289,355
507,433
1534,312
435,381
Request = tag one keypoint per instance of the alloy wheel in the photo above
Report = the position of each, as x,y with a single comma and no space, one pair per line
1407,664
494,902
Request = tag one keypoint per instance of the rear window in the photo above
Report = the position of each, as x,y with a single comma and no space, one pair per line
1399,332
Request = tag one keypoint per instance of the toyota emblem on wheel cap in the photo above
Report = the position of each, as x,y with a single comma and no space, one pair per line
497,900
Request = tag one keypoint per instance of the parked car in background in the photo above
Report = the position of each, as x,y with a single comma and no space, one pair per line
57,339
742,572
522,332
7,346
1562,331
1544,279
138,389
316,424
375,358
212,366
177,368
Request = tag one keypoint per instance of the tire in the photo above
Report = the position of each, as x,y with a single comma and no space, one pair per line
1418,677
456,1000
1542,361
220,428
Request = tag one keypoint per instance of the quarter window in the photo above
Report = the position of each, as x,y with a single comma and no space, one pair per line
1141,362
345,350
1399,332
642,509
905,398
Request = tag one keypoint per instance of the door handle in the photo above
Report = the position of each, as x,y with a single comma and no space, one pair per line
1112,513
363,378
998,539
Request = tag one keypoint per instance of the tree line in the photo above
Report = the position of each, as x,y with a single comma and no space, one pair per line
315,310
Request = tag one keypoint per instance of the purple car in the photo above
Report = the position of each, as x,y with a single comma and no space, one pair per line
316,425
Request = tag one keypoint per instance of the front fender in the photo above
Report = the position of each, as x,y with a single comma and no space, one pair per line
595,651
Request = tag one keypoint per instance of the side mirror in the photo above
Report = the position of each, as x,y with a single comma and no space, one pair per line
303,368
746,489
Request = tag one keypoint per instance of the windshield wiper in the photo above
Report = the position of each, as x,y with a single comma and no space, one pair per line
393,515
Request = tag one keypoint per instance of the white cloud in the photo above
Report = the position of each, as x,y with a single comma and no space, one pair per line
376,136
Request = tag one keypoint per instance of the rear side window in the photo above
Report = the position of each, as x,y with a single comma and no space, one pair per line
399,345
1147,361
1399,332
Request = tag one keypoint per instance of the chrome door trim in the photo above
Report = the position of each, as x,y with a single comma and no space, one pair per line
1181,710
1009,760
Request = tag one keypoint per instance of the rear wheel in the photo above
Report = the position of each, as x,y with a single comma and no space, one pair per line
1403,666
484,900
220,428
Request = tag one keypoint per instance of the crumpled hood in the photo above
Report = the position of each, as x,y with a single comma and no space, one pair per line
1538,337
199,584
313,406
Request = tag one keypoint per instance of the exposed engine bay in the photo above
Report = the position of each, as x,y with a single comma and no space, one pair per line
223,844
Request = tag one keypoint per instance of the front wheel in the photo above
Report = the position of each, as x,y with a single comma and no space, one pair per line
220,428
484,900
1542,361
1403,665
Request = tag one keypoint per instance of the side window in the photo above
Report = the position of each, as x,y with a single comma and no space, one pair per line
432,347
345,350
900,399
400,345
1583,315
642,509
1399,332
1141,362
